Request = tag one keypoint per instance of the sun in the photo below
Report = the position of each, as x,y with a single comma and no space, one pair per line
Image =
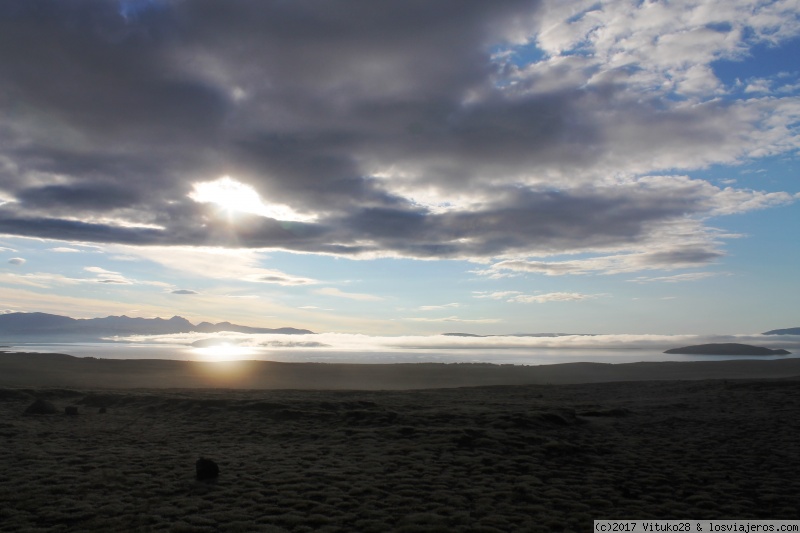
229,194
234,197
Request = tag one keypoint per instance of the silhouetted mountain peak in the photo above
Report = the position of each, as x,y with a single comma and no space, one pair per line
37,325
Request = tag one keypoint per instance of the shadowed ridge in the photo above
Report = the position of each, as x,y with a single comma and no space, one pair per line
731,348
785,331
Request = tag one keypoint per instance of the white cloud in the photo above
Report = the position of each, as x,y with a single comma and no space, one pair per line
217,263
49,279
669,44
42,280
99,270
665,258
553,297
759,85
454,319
693,276
731,201
437,307
108,276
333,291
16,261
518,297
496,295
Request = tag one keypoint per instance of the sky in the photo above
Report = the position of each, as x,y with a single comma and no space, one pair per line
404,167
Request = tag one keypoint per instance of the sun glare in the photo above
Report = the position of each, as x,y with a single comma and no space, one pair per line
236,197
222,352
229,194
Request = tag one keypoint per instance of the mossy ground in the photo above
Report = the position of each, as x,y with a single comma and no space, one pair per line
489,459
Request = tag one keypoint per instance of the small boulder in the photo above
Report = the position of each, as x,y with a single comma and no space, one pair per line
71,410
207,470
41,407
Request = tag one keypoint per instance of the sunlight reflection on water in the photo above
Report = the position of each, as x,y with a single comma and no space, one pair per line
222,352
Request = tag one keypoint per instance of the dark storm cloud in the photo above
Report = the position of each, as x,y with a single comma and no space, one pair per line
519,220
82,64
344,111
83,196
61,229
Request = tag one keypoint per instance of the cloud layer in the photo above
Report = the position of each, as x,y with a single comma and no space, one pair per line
507,131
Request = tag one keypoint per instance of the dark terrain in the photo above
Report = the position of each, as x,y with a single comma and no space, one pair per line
730,348
487,459
18,369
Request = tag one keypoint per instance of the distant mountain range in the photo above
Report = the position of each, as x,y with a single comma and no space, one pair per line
47,327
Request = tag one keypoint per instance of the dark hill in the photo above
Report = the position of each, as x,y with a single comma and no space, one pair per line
726,349
786,331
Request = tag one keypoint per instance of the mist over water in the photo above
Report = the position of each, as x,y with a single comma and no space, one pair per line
364,349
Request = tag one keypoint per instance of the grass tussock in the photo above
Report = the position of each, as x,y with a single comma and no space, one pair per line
517,458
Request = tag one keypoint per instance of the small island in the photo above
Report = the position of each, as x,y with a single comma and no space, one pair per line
731,348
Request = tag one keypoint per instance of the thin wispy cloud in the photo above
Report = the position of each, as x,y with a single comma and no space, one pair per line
553,297
454,319
108,276
42,280
218,263
338,293
678,278
438,307
52,280
518,297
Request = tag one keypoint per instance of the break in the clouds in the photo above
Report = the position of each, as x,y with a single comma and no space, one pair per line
510,131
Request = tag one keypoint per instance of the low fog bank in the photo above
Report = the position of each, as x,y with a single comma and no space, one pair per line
358,343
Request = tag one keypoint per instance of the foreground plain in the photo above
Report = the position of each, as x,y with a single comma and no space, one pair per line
482,459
